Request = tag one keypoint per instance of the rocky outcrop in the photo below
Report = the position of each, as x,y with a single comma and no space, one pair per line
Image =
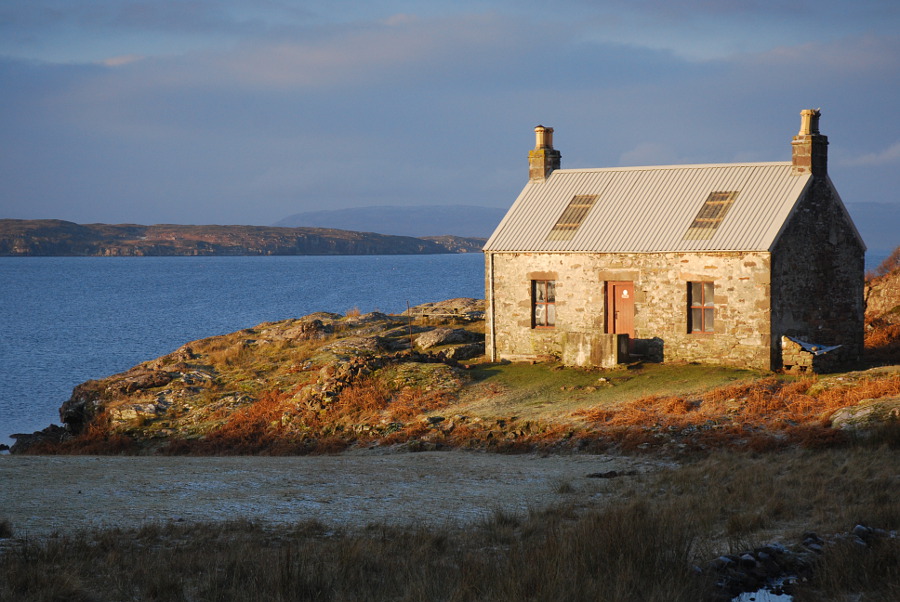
61,238
462,308
51,435
193,391
90,398
883,297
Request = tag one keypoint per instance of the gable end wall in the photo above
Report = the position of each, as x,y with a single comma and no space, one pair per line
818,277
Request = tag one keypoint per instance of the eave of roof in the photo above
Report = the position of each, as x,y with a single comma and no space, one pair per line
649,209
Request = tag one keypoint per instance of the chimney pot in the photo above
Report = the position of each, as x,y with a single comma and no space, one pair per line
809,122
543,137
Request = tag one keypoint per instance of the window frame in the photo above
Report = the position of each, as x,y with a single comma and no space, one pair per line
705,307
548,301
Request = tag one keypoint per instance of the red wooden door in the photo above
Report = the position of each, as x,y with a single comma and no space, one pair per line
620,308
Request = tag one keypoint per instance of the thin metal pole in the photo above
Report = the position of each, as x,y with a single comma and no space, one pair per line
409,324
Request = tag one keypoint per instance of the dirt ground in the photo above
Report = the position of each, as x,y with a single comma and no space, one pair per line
42,495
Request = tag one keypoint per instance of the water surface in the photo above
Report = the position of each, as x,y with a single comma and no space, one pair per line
64,320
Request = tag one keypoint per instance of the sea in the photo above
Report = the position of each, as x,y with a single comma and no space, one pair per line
64,320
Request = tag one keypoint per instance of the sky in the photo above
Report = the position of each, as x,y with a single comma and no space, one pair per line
247,111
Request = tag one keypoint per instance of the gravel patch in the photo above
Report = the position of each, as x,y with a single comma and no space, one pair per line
42,495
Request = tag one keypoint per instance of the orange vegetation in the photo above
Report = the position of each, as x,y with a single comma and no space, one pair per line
768,413
279,423
765,412
882,341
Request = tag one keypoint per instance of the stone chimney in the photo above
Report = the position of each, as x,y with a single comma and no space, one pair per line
543,159
809,147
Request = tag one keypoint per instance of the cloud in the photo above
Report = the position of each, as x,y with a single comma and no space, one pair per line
118,61
393,106
888,156
400,46
160,16
400,19
863,53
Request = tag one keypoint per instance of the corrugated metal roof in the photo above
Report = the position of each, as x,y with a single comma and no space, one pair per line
649,209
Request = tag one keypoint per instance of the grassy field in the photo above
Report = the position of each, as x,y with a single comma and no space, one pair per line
652,542
549,392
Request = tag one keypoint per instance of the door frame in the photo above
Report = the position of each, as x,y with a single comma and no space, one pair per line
611,306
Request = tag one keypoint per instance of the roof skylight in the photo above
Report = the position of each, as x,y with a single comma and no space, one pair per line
570,220
710,215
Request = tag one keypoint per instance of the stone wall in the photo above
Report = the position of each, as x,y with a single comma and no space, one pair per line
742,310
818,277
796,359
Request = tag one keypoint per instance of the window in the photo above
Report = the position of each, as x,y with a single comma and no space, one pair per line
701,311
567,224
710,215
543,303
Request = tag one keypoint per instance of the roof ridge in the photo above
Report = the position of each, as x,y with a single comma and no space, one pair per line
671,167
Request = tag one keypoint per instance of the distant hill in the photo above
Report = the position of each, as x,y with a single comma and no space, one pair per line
420,220
62,238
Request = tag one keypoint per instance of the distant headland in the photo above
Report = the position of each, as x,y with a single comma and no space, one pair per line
50,237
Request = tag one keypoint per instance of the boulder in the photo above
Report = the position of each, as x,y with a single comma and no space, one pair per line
445,336
867,413
464,352
306,330
369,318
357,345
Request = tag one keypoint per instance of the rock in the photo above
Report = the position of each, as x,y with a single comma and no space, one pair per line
24,442
612,474
132,411
373,316
84,404
323,316
307,330
91,397
444,336
722,562
196,377
464,352
138,380
465,308
867,413
356,345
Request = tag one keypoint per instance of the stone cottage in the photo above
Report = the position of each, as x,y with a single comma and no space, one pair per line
715,263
